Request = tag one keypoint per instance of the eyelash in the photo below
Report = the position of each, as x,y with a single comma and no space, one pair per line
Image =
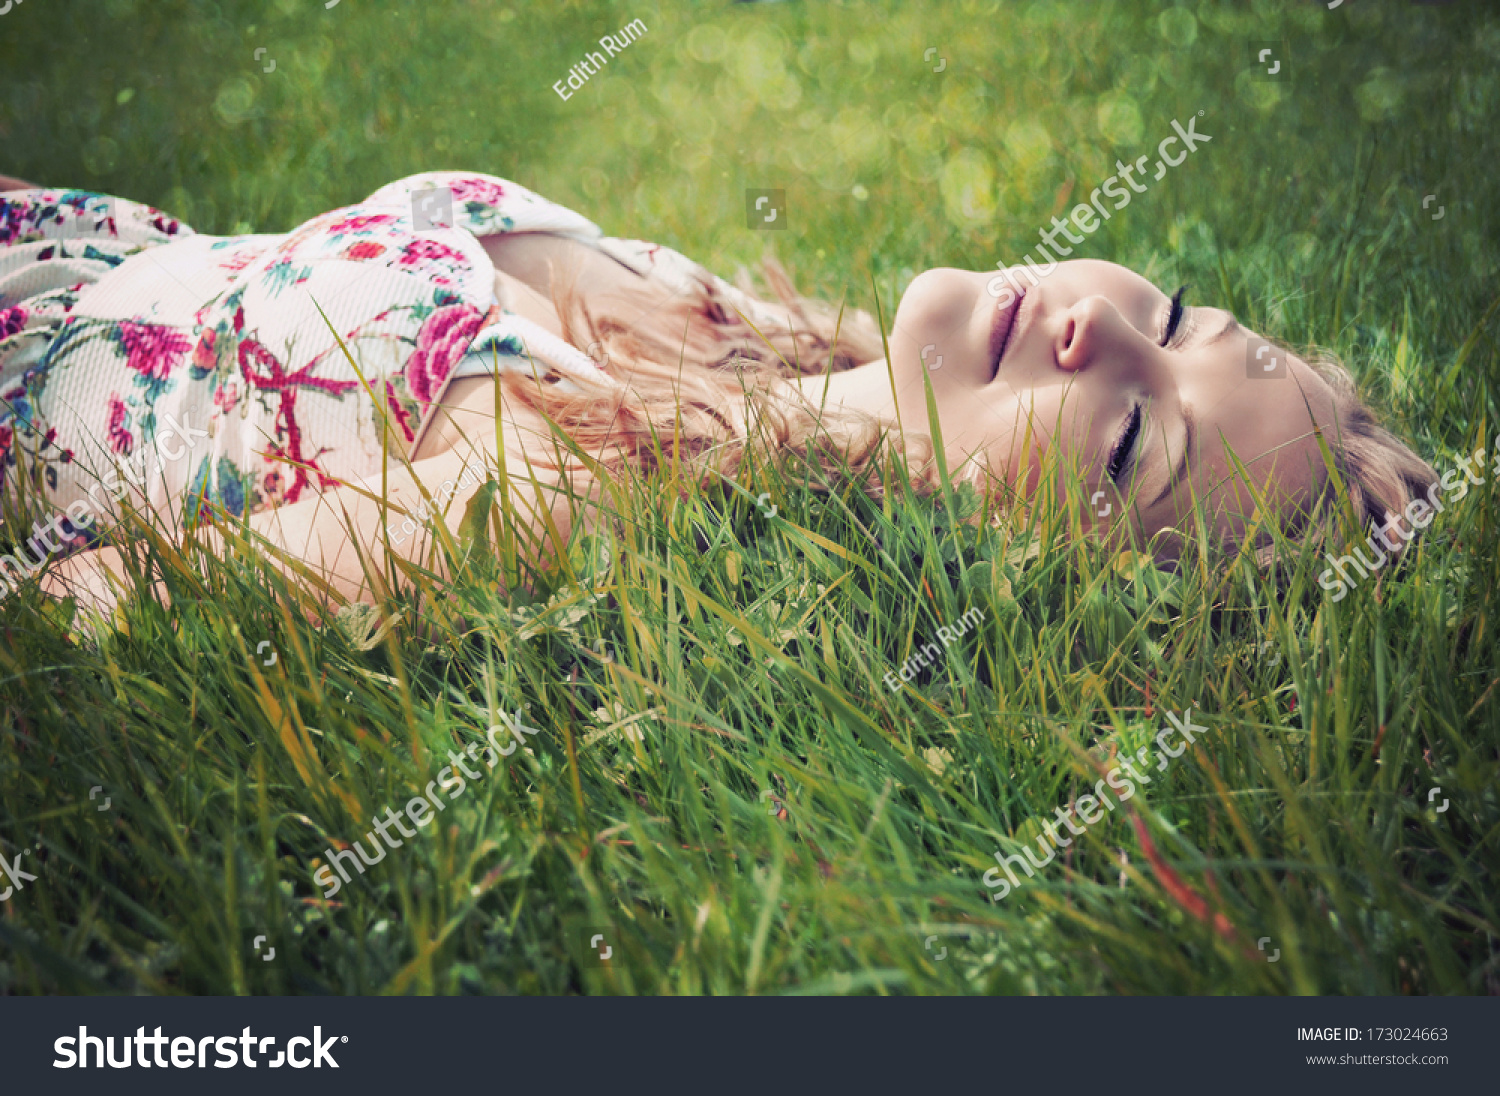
1124,445
1174,317
1129,437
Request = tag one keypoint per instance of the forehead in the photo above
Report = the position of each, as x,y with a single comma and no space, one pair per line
1257,406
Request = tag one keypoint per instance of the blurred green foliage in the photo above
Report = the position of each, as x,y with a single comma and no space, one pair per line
750,654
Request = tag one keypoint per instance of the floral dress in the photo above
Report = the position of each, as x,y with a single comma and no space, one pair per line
141,359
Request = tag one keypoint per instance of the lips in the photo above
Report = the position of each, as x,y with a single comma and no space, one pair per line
1005,325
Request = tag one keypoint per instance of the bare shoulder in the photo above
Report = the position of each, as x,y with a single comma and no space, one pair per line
544,262
533,257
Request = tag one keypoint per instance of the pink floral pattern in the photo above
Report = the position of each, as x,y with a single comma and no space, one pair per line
361,223
204,356
11,321
227,396
152,351
121,440
480,191
241,253
420,252
365,249
440,343
247,381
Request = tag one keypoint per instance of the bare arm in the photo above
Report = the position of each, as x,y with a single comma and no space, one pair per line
341,534
10,182
344,536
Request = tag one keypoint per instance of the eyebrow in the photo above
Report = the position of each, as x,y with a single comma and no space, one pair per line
1231,325
1189,441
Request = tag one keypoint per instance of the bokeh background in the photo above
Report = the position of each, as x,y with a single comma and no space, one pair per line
1314,180
1350,200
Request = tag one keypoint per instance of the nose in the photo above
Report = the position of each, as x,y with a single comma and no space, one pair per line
1089,329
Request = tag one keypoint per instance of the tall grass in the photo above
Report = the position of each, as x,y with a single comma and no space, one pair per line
733,796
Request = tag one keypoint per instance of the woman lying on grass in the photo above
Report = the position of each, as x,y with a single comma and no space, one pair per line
184,374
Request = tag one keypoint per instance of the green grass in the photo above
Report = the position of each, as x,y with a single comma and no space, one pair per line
749,651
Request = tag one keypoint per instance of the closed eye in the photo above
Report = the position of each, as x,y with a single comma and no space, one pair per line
1120,454
1174,317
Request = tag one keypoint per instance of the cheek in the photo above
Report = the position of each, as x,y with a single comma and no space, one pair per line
1059,439
1000,434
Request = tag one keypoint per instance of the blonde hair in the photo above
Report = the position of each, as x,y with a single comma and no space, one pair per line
1381,474
684,365
689,366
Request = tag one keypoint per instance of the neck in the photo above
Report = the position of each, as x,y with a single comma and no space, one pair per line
865,388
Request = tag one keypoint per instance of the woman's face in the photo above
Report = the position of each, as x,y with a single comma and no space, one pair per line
1083,361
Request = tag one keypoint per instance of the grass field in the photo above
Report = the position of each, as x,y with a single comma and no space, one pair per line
737,802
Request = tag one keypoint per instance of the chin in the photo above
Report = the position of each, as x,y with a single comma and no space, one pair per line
937,301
